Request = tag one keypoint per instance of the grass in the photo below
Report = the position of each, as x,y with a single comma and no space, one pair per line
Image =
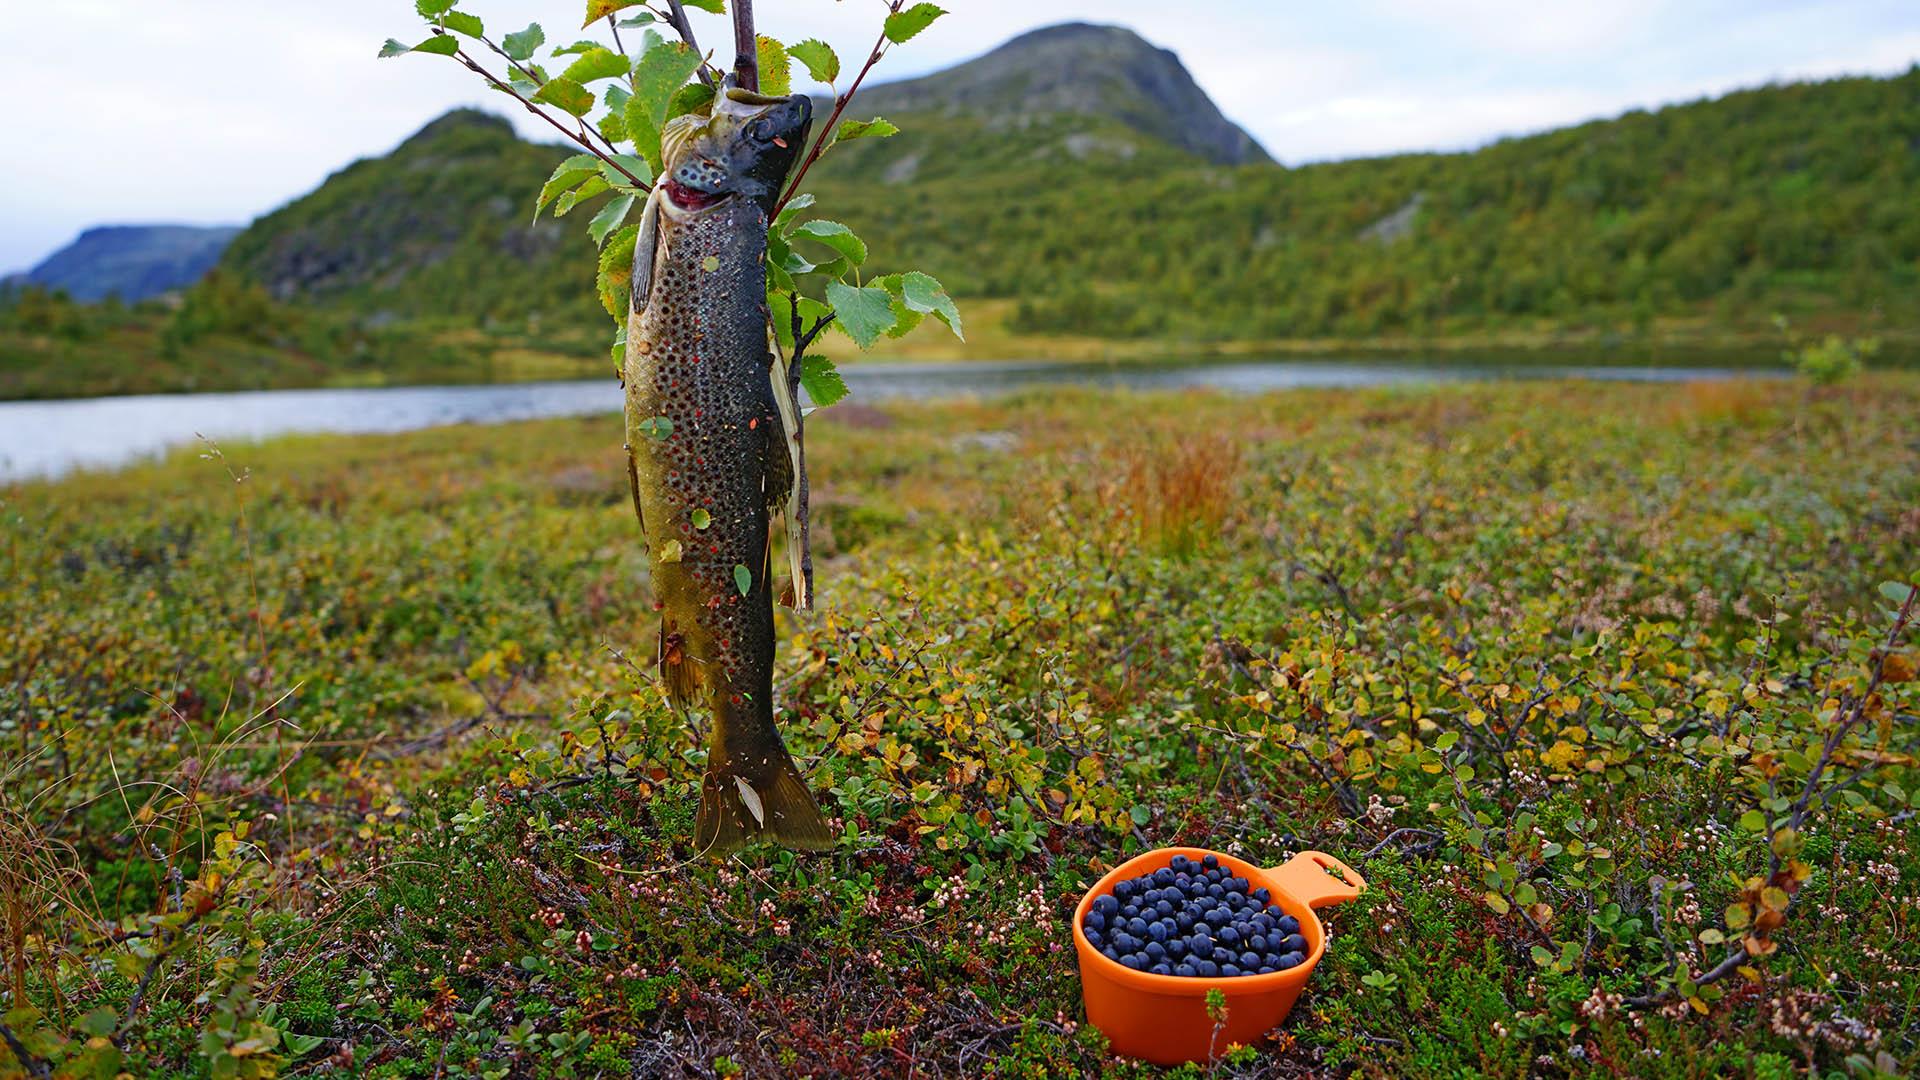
333,755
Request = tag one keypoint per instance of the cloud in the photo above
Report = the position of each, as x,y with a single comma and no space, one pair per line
223,109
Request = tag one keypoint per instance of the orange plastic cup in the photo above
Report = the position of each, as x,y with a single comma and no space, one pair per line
1163,1018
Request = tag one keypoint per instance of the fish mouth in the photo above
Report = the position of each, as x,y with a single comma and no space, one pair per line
686,198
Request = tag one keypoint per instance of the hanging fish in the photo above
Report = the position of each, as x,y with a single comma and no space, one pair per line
707,455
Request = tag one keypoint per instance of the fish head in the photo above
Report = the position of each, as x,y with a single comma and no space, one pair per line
744,147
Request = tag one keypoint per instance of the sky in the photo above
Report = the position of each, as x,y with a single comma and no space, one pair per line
215,111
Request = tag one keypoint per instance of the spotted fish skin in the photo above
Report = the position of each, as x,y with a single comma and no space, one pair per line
707,458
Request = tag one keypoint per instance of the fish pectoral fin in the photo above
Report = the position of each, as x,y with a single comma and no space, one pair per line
643,245
679,672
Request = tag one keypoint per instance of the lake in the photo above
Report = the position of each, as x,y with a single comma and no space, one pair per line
40,439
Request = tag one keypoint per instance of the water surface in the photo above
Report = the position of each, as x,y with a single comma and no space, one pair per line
49,438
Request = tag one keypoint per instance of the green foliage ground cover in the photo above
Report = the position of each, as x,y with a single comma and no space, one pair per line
335,755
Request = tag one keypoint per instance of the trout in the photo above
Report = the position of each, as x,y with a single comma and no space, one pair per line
707,453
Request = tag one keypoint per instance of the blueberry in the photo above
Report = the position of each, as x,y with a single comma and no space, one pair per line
1136,926
1125,942
1217,917
1123,889
1295,943
1163,907
1200,943
1216,876
1094,937
1097,920
1287,924
1237,884
1207,968
1263,896
1210,861
1110,953
1105,904
1157,932
1178,863
1161,969
1249,961
1163,876
1133,961
1216,891
1177,947
1267,969
1185,970
1184,920
1262,922
1128,910
1230,935
1292,959
1257,942
1229,971
1155,951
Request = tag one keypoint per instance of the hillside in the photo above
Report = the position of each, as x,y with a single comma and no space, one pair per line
133,262
1077,70
1711,215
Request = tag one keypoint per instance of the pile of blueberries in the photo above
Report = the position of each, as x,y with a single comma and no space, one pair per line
1194,919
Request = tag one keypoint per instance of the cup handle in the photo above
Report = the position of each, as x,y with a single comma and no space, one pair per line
1305,877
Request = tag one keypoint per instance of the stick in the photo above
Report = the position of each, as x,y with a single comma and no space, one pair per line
746,49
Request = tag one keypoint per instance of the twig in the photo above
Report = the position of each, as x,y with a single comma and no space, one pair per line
461,55
685,29
746,51
33,1065
839,106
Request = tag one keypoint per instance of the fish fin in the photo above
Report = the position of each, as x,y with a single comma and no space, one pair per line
643,246
734,810
633,485
679,672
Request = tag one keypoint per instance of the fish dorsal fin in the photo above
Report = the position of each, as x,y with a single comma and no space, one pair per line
643,245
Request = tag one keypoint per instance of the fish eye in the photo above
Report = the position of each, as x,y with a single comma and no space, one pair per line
761,130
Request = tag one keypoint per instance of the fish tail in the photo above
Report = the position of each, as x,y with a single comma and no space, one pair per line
764,797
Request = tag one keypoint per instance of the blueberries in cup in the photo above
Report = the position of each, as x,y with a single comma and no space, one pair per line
1193,919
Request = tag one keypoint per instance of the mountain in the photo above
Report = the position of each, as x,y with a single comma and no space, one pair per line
1094,215
1078,69
132,261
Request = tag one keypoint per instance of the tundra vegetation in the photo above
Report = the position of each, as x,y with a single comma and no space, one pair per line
330,755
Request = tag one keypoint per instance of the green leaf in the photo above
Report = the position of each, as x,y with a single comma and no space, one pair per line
1895,591
100,1021
662,69
690,98
567,94
863,313
822,63
637,166
902,27
1446,742
462,23
876,128
565,175
430,8
613,123
580,48
836,236
521,46
594,185
656,427
700,518
1753,821
821,380
639,19
598,63
609,218
600,9
718,7
784,223
1541,955
742,579
614,282
438,45
924,294
776,73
